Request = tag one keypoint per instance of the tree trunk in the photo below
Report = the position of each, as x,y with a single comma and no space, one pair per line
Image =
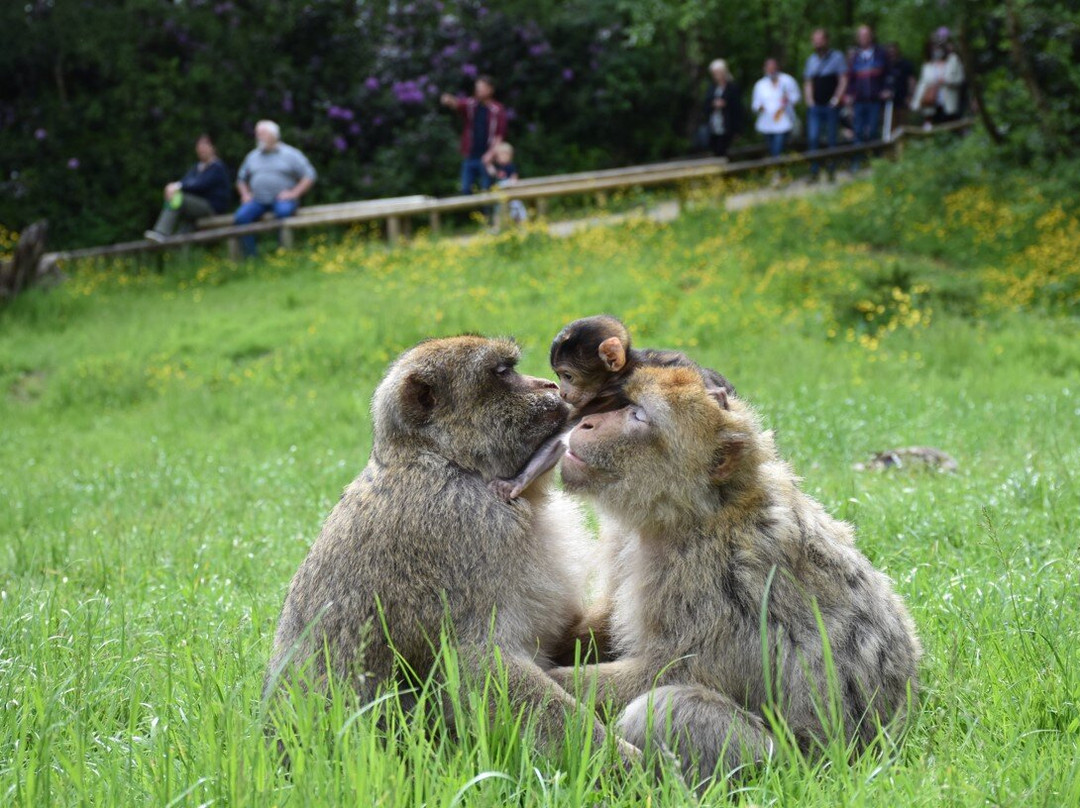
976,85
26,267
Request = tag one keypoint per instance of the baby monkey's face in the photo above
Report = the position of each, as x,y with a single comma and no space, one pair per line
578,387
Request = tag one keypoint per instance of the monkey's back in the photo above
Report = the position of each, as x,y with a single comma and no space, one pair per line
662,358
706,591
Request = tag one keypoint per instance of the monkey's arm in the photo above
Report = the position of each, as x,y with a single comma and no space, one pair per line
528,687
617,683
542,461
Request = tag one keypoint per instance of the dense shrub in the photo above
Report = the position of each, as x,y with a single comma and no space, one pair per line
103,100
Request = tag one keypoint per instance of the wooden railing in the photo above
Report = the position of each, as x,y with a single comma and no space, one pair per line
400,211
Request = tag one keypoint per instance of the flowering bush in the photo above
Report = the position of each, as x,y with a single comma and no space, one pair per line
112,95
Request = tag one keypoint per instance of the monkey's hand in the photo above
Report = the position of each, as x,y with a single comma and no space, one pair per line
542,461
506,490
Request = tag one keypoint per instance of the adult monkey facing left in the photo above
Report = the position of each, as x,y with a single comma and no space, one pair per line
419,537
713,531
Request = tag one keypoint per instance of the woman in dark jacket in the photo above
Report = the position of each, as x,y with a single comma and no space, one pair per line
723,108
203,191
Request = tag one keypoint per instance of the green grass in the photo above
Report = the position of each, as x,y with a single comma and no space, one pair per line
171,443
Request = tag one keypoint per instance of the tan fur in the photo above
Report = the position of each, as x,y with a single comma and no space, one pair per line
700,511
420,533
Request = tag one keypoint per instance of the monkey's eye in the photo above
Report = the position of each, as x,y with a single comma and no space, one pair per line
638,414
504,369
566,377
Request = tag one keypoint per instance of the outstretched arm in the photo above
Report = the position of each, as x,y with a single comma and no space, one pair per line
542,461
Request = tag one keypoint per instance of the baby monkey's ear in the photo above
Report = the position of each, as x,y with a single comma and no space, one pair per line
612,354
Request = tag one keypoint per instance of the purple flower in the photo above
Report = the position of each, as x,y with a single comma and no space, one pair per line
567,74
371,83
449,51
340,113
539,49
340,143
73,163
354,129
287,102
377,120
469,70
408,92
474,46
40,134
531,127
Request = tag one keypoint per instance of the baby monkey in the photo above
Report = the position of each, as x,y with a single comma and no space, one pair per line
593,359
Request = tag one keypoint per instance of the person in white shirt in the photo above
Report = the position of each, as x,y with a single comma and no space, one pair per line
774,100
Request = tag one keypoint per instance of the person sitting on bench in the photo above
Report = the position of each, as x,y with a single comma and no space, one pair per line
203,191
272,177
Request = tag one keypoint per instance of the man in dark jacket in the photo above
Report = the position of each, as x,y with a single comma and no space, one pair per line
202,192
723,108
485,128
868,85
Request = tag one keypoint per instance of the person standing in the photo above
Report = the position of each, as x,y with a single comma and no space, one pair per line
937,95
774,100
901,81
723,108
202,191
824,84
273,177
868,86
484,128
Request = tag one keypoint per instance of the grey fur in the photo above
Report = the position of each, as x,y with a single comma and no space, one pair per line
420,533
702,521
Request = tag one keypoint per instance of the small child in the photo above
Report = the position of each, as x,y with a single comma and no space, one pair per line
505,174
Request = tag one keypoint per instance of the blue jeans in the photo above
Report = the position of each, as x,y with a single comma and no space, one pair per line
253,211
474,172
775,142
821,119
866,120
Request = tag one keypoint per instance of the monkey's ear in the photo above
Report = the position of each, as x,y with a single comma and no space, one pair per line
612,354
726,460
417,399
719,394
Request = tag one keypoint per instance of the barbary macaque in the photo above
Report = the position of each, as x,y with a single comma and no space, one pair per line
713,537
419,539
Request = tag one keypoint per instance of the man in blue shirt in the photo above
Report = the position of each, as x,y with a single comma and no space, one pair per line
272,177
824,83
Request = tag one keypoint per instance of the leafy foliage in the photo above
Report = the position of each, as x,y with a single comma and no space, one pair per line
102,101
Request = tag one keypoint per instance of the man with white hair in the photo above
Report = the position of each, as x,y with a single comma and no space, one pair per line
272,177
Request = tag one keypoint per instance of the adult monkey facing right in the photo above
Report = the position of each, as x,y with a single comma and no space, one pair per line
713,527
419,537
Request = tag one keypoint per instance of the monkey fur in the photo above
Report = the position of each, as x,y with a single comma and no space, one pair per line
710,525
419,538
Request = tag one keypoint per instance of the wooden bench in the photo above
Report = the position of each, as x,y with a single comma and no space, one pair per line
397,212
313,212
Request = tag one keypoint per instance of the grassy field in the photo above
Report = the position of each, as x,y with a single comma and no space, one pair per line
171,443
